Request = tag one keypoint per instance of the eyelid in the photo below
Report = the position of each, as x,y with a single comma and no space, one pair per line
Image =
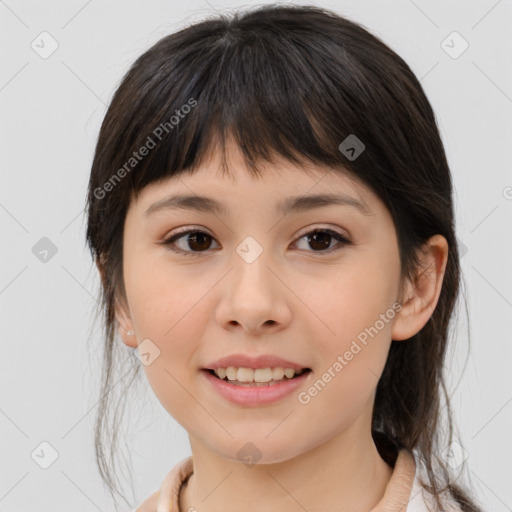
186,229
319,227
304,231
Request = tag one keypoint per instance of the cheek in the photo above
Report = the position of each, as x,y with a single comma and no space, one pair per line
167,308
352,357
355,309
164,299
350,301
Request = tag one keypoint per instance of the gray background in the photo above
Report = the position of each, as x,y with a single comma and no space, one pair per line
51,109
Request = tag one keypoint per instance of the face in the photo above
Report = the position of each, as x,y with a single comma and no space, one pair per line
316,286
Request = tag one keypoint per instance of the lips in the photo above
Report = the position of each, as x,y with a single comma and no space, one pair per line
254,394
254,362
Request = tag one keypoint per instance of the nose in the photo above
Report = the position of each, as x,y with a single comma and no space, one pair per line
254,298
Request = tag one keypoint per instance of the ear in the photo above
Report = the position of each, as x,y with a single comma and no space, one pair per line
125,326
123,319
420,296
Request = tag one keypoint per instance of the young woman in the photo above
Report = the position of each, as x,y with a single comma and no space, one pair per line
270,209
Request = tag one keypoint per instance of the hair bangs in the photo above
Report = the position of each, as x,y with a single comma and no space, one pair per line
246,90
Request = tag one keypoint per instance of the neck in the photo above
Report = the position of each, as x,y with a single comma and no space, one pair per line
345,473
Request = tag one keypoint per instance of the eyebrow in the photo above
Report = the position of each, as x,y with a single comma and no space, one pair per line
288,205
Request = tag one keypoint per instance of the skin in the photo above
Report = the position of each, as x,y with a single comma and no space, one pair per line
197,308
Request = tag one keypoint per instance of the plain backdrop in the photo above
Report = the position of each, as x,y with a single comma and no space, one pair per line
51,108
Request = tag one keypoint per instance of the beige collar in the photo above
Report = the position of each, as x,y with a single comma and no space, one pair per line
396,495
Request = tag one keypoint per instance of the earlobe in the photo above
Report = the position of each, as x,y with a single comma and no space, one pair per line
123,320
125,327
128,337
421,296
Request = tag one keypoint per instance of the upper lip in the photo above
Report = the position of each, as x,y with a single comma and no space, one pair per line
245,361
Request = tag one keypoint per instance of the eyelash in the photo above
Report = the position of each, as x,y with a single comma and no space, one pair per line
170,241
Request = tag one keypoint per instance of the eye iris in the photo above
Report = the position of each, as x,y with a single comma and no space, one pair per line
321,236
194,237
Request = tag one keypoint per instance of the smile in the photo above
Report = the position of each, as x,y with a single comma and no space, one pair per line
244,389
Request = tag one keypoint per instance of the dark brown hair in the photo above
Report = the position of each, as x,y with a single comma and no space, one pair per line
293,81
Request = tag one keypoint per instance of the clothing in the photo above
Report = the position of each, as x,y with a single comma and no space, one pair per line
403,489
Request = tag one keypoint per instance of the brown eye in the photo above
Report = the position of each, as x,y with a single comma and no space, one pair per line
321,239
195,241
199,241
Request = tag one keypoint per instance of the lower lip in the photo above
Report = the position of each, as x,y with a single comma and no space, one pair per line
252,396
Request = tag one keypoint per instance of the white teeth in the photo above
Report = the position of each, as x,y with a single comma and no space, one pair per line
277,373
244,375
258,375
231,373
221,372
289,372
